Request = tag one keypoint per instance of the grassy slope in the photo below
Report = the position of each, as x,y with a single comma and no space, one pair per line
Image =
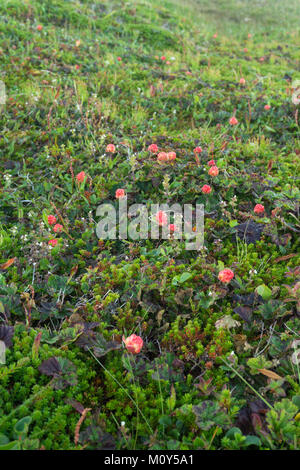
57,122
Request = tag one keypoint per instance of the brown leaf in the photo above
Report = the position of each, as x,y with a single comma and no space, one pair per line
270,164
284,258
270,374
8,263
36,344
152,91
79,423
76,405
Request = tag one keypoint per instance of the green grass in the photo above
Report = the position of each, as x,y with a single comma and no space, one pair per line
218,368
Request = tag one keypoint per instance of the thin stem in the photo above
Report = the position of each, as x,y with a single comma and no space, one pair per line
136,397
247,383
124,390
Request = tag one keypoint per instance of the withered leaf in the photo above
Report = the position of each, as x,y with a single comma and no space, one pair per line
62,370
50,367
284,258
8,263
252,418
270,374
249,231
97,342
75,404
244,312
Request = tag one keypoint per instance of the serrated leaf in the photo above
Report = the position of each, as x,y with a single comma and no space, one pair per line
50,367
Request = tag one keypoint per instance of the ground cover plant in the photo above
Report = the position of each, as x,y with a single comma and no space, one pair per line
124,344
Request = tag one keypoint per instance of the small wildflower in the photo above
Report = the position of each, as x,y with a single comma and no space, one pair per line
252,271
267,107
39,27
153,148
110,148
242,81
80,177
259,209
213,171
172,228
120,193
197,150
211,163
133,343
57,228
51,219
171,156
52,242
226,275
161,218
206,189
162,157
233,121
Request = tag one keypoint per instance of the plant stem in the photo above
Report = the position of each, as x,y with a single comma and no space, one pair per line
247,383
120,385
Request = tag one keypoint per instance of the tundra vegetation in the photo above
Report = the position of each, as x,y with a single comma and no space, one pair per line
142,344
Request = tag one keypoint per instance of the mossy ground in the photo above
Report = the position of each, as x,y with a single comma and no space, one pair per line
68,96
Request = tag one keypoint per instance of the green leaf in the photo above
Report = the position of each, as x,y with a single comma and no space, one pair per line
181,279
3,440
220,265
252,441
233,223
21,427
231,433
184,277
171,401
14,445
296,401
264,291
